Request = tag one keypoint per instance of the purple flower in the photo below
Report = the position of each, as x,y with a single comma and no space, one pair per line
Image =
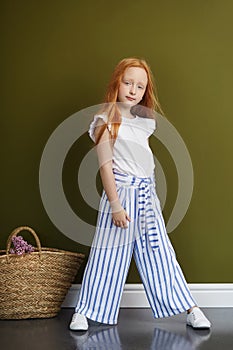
20,246
30,248
19,251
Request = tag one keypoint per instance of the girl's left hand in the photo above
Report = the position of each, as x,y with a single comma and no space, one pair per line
120,218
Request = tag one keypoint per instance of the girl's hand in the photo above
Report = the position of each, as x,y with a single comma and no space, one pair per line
120,218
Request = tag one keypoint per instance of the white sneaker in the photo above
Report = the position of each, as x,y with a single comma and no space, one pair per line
78,322
197,319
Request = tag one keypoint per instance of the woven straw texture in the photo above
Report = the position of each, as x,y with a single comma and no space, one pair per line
34,285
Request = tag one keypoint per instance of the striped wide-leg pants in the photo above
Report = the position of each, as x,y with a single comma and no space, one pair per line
111,253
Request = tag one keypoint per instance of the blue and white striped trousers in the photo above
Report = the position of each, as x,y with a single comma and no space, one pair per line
111,253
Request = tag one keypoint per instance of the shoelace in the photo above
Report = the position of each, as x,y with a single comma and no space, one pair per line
194,316
74,317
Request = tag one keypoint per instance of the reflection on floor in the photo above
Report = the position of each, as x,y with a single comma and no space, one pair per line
136,329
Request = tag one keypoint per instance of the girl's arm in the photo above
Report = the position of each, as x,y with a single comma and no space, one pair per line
104,152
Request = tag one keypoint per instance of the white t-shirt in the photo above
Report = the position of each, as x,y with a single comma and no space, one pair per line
131,152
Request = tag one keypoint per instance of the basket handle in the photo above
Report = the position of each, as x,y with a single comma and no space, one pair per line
15,233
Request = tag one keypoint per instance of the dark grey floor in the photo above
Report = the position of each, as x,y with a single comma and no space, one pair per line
136,329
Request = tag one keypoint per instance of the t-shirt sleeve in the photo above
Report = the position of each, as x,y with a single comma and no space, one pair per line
93,124
151,126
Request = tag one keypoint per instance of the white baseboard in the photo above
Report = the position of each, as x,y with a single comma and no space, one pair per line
206,295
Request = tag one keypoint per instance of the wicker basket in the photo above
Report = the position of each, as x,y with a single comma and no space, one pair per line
34,285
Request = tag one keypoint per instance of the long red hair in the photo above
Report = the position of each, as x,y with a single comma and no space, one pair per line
149,100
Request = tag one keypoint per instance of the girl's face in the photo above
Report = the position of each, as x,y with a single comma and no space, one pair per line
132,86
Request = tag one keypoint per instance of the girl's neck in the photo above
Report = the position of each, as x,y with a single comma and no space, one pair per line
125,112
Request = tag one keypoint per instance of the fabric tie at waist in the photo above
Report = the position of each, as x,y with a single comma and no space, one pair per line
146,209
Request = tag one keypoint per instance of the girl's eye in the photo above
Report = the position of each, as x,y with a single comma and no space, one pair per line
127,83
141,87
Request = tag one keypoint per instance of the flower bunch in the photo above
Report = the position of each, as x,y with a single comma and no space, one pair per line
21,246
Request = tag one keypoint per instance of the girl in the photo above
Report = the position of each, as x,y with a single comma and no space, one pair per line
130,220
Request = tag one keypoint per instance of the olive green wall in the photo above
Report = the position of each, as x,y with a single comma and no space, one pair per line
57,57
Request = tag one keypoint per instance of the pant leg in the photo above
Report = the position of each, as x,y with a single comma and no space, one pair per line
108,265
165,285
103,283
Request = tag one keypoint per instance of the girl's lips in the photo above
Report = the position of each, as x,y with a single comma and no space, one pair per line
130,98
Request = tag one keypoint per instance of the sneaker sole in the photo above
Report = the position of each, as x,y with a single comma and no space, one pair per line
78,329
200,327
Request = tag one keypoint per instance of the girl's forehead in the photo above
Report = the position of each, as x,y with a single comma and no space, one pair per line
136,73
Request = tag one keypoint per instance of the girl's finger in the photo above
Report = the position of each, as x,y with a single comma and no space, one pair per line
124,224
127,216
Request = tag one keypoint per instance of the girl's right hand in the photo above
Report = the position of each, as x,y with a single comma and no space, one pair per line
120,218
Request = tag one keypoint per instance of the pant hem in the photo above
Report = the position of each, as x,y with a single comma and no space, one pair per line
96,319
177,312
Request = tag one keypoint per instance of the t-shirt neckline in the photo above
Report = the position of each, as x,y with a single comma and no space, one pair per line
130,118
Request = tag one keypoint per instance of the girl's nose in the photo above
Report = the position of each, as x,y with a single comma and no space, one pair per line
132,89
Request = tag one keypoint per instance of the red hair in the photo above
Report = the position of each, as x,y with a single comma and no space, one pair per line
149,100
